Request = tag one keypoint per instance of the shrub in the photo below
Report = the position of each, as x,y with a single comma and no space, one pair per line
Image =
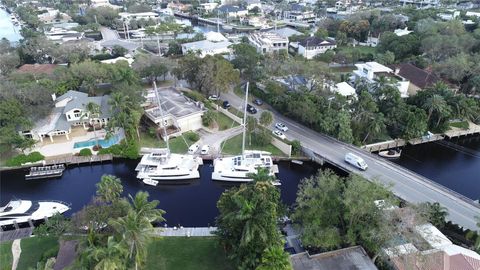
261,138
208,117
194,95
22,159
296,147
192,136
85,152
127,150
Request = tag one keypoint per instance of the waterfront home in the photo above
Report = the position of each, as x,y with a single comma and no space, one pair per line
286,32
180,113
421,3
344,89
432,250
373,72
207,7
232,11
206,47
419,78
70,111
267,42
299,13
346,258
61,35
126,16
251,4
313,46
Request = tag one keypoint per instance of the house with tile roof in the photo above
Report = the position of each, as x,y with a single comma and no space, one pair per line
419,78
70,111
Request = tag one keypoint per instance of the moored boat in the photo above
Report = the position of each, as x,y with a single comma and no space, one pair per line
45,172
392,153
23,211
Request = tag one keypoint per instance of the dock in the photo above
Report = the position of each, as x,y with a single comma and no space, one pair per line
15,234
80,160
188,231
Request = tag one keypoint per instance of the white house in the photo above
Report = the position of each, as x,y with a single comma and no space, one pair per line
70,111
214,36
126,16
313,46
421,3
206,47
232,11
299,13
63,35
344,89
373,71
207,7
267,42
251,4
180,114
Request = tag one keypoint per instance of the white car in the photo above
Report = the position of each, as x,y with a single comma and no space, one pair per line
281,127
205,149
279,134
193,148
213,97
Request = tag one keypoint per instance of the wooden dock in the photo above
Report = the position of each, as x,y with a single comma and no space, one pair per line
15,234
188,232
79,160
375,147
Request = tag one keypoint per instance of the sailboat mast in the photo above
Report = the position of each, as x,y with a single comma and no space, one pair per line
218,23
245,120
162,122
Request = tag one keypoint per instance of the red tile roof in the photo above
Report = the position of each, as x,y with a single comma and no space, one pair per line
419,77
37,68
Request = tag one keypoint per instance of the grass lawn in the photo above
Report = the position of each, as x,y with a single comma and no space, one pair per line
224,122
6,255
233,146
177,145
357,49
34,248
462,124
195,253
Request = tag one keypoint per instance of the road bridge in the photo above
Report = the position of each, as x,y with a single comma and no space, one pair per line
406,184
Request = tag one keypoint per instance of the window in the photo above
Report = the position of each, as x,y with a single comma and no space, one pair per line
68,116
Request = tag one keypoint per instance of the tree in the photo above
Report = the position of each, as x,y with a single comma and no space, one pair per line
375,126
275,257
145,209
12,119
118,50
433,213
111,257
54,226
436,104
151,67
246,60
109,188
208,118
8,62
247,221
92,113
266,118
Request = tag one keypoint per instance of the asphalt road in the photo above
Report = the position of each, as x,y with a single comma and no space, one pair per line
406,184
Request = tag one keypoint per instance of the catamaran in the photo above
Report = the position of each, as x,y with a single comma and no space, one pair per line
162,165
238,168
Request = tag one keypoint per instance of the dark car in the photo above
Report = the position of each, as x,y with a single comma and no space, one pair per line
258,102
251,109
226,104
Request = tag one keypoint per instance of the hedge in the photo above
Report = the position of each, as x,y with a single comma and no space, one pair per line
85,152
127,150
22,159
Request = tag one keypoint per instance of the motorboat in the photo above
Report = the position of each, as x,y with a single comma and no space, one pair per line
22,211
238,168
392,153
160,164
45,172
149,181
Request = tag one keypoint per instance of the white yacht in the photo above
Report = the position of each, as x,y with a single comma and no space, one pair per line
237,168
160,164
21,211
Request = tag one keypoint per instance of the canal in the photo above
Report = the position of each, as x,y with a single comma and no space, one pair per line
7,29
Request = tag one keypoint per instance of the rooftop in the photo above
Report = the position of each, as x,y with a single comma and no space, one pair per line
419,77
286,32
205,45
315,41
353,258
230,8
173,103
37,68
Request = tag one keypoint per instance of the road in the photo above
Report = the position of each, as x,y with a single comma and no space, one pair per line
406,184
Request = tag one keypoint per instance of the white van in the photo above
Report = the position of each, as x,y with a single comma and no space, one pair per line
205,149
356,161
193,148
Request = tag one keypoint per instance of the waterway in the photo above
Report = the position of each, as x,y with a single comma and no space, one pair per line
7,29
192,203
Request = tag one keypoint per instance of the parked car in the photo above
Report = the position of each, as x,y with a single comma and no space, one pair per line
193,148
213,97
258,102
251,109
356,161
205,149
279,134
226,104
281,127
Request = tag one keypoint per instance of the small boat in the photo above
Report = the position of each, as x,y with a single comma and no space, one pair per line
149,181
299,162
392,153
45,172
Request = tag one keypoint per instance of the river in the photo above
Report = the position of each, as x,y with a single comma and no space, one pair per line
7,29
190,204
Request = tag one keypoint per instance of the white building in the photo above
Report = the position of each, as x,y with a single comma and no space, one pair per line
232,11
344,89
62,35
251,4
103,3
402,32
421,3
267,42
180,114
51,15
126,16
206,47
207,7
69,111
214,36
373,71
313,46
299,13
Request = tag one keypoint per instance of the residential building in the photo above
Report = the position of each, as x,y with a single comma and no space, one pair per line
206,47
286,32
419,78
299,13
251,4
103,3
51,15
267,42
115,60
180,114
295,83
344,89
435,252
70,111
313,46
126,16
214,36
421,3
63,35
373,72
232,11
353,258
207,7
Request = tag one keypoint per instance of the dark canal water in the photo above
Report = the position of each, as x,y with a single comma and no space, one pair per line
189,204
454,164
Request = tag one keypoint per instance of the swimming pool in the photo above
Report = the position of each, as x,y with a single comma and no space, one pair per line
105,143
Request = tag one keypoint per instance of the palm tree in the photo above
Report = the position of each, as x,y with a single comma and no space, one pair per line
110,257
276,258
109,188
437,104
262,175
375,126
92,113
145,209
